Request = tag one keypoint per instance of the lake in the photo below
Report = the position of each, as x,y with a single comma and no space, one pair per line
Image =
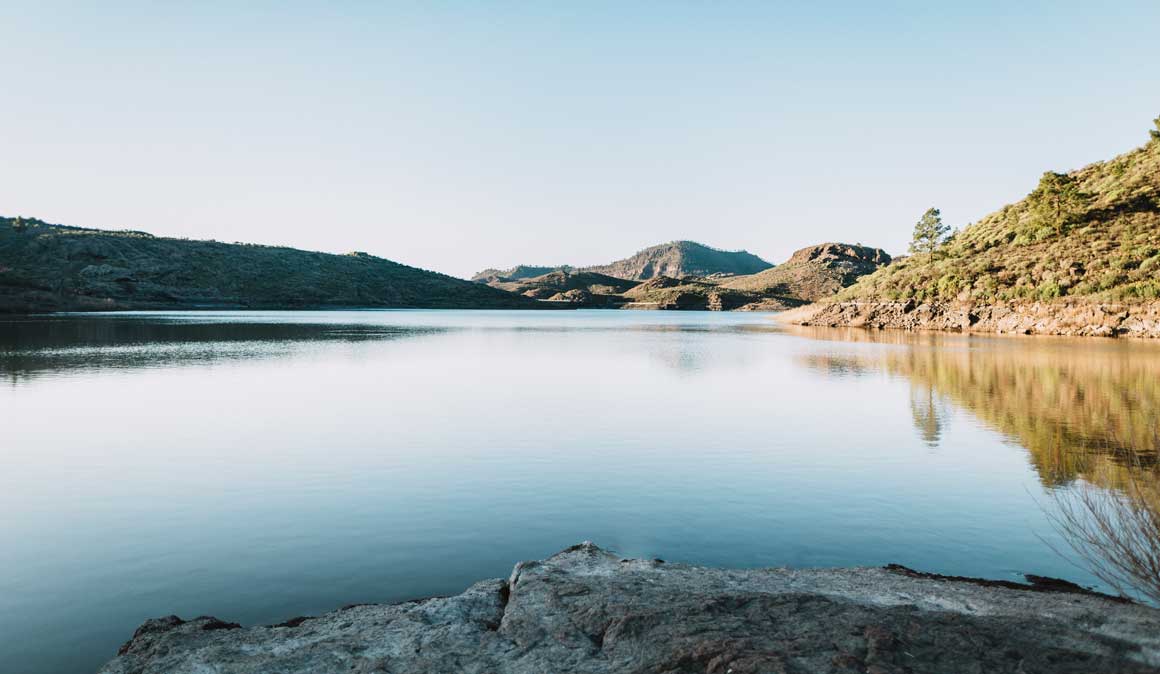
262,465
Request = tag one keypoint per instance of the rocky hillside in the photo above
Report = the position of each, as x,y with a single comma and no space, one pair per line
589,611
678,259
681,259
813,273
1082,245
47,267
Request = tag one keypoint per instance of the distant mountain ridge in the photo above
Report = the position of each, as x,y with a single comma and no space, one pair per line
676,259
46,267
811,273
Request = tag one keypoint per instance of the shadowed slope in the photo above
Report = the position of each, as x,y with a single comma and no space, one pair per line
50,267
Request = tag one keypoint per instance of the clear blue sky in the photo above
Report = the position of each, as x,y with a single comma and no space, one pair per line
455,136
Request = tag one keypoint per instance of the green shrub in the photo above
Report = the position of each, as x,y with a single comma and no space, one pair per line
1049,290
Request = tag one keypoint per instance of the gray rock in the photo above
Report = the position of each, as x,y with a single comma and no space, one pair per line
587,610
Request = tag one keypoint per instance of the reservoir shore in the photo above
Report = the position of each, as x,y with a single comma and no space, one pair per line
586,609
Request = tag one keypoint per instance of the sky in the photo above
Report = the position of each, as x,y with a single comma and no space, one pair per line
456,136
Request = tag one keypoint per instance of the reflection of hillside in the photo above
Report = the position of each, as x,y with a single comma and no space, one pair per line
1072,409
1081,409
46,345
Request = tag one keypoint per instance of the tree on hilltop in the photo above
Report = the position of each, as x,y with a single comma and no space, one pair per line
929,234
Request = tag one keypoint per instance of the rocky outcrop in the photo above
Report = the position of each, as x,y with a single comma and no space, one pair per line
587,610
812,273
1079,318
841,254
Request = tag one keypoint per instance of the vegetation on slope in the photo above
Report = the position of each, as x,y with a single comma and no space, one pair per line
666,292
581,288
1091,234
516,273
812,273
681,259
51,267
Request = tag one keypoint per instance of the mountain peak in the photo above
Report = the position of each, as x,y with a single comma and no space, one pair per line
682,259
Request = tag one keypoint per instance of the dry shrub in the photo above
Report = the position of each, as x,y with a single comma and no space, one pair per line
1116,533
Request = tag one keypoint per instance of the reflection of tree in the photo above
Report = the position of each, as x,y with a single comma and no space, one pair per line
1083,409
1074,409
929,415
1088,414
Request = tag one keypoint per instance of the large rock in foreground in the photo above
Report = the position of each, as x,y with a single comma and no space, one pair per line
587,610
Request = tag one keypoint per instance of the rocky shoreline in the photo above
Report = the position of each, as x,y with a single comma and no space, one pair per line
1078,319
588,610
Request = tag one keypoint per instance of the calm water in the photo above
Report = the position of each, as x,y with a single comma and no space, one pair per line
258,466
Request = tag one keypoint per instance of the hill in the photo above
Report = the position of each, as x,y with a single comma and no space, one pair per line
668,293
677,259
813,273
518,272
681,259
1079,255
47,267
581,288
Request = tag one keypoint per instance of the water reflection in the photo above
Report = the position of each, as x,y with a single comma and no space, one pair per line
929,413
265,465
37,346
1087,410
68,344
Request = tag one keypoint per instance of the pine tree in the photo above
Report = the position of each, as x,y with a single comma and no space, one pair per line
1155,132
929,233
1057,201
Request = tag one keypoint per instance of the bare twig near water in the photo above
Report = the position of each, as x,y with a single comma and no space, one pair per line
1116,533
